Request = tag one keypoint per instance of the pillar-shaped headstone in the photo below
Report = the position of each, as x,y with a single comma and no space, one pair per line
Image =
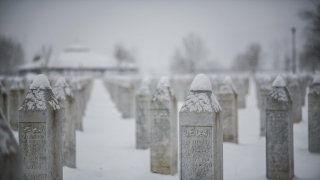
127,99
11,162
40,124
65,98
143,98
77,116
314,115
229,115
279,135
164,145
201,137
240,86
14,103
264,89
295,94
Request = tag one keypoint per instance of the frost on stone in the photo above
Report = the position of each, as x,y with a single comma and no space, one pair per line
279,94
36,100
315,86
227,86
163,91
40,82
62,90
144,87
200,102
279,82
201,83
8,145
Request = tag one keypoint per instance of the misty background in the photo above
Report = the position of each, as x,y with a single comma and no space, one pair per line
153,30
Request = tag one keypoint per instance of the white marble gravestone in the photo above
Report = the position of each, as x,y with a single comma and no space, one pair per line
163,121
11,162
229,115
76,90
295,94
40,129
279,132
201,137
143,99
314,115
65,98
264,89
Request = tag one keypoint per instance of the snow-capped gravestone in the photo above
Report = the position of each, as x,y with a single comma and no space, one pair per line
201,141
279,132
77,116
314,115
40,126
264,90
229,115
143,98
65,98
295,94
11,162
164,145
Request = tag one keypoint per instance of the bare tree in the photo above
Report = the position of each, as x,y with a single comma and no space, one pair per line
310,57
187,59
122,55
250,60
11,55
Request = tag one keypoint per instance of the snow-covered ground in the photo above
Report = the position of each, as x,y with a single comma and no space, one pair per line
106,147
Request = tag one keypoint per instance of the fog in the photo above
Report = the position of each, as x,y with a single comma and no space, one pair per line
153,29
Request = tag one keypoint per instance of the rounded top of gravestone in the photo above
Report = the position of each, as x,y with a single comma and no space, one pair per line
164,82
201,83
40,82
279,82
316,79
61,82
144,87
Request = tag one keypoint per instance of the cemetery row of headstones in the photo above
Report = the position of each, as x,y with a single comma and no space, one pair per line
123,89
205,122
46,119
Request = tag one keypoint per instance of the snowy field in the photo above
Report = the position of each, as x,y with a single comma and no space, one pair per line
106,147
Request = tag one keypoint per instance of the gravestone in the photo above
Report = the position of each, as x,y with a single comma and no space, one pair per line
229,115
14,103
279,132
76,90
240,86
40,124
314,115
201,136
264,89
127,99
295,94
65,98
11,162
164,145
143,98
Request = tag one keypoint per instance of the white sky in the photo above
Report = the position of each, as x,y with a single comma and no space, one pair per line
153,29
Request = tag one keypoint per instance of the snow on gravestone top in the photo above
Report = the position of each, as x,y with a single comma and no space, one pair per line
40,82
61,90
227,86
163,82
163,89
199,101
201,83
36,98
145,86
278,91
279,82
